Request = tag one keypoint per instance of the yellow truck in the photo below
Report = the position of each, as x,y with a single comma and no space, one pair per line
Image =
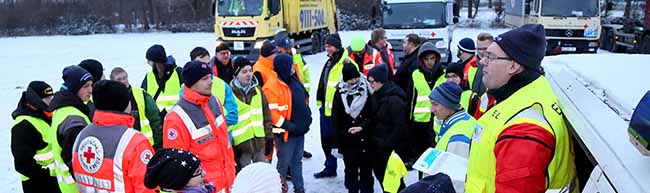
245,24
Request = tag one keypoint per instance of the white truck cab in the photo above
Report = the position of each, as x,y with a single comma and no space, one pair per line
430,19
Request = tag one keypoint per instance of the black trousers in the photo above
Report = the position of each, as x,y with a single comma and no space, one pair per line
379,167
358,170
48,184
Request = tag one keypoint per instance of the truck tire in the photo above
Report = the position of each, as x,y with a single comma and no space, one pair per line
315,42
605,39
645,45
614,48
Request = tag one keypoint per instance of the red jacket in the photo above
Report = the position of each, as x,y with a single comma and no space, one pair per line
522,162
197,124
110,156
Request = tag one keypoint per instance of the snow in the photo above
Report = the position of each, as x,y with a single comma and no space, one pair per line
615,78
43,58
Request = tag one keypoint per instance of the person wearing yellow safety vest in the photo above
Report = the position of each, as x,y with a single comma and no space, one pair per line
285,45
388,122
456,125
164,81
252,134
454,73
70,115
143,109
33,156
429,74
524,145
330,77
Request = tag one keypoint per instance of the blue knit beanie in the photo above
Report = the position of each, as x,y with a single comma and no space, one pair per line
526,45
467,45
447,94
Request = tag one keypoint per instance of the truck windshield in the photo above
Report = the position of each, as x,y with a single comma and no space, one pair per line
414,16
240,7
564,8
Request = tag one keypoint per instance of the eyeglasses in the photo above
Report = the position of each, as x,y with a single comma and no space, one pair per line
492,58
481,49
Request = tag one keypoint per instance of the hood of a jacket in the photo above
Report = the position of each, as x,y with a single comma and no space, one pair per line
427,47
64,98
30,104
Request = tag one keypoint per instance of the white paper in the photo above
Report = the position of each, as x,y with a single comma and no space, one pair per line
434,161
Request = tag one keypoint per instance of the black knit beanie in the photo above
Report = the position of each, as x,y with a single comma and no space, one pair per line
109,95
526,45
350,71
456,68
94,67
193,71
171,169
239,63
41,88
156,53
379,73
334,40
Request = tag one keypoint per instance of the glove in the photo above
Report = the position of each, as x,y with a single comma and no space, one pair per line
268,147
335,153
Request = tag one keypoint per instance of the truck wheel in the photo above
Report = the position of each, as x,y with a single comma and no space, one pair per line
645,45
614,48
605,39
315,42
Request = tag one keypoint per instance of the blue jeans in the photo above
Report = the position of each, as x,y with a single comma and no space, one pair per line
326,141
290,156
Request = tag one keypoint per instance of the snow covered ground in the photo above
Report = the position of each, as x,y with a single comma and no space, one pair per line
43,57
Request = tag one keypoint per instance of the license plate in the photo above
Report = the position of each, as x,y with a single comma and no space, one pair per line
568,49
239,45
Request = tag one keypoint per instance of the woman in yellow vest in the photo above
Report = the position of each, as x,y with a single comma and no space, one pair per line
252,134
32,154
454,73
143,109
70,115
164,80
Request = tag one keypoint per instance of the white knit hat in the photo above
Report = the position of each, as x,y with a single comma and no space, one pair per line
257,178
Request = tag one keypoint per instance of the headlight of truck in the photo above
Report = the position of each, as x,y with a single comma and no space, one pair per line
593,44
258,44
441,44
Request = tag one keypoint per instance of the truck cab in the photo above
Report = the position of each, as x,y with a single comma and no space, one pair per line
430,19
571,26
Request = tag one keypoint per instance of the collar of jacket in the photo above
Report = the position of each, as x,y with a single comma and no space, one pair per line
336,57
112,118
514,84
473,58
194,97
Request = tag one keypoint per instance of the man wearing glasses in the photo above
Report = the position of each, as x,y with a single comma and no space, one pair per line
524,145
381,53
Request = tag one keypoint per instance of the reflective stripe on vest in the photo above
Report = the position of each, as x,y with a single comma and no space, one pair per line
196,133
459,124
145,128
219,88
62,172
422,109
536,104
333,79
110,174
250,122
367,62
44,156
395,171
302,68
170,95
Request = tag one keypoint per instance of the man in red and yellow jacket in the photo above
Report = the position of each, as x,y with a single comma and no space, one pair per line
290,116
110,156
197,124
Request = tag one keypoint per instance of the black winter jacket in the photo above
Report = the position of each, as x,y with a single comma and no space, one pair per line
26,140
342,122
390,117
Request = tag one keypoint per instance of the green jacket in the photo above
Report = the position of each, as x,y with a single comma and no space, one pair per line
153,115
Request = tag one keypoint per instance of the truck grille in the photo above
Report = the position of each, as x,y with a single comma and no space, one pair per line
239,31
572,33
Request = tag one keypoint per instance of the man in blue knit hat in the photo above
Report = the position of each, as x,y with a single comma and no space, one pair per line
524,145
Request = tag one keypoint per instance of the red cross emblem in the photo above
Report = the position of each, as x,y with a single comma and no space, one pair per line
171,134
88,154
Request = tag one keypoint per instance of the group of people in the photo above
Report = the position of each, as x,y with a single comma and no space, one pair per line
493,107
193,128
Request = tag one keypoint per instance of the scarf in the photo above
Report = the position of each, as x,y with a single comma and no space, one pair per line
359,95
